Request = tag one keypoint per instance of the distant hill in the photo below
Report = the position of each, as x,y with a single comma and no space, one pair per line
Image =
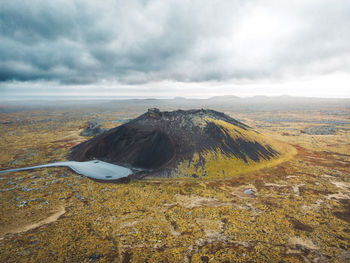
220,103
191,143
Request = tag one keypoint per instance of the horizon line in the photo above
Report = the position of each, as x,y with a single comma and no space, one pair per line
111,98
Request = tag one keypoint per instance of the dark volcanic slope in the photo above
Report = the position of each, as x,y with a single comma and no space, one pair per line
157,140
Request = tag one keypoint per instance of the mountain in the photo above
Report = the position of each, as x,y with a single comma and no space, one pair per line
191,143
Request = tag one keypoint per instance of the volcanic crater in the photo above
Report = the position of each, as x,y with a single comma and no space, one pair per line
180,144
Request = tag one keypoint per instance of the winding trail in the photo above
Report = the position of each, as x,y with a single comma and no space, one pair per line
52,218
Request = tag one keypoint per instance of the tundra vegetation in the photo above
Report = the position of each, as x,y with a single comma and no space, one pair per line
293,211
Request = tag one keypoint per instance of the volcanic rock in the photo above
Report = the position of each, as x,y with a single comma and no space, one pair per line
181,143
321,130
93,129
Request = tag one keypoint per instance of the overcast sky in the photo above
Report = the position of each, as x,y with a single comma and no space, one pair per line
164,48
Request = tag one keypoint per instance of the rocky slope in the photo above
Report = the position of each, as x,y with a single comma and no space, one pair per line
183,143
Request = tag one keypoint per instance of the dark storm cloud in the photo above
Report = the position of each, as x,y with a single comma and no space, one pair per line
133,42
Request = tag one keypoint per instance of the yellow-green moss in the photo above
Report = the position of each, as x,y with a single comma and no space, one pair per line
219,165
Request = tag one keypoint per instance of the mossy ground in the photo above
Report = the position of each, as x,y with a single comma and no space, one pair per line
300,212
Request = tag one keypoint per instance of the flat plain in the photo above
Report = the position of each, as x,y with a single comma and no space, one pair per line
296,211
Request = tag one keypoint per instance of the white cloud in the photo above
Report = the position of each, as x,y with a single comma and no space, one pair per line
176,46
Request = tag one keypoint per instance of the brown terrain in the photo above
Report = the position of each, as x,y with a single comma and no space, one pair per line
296,210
